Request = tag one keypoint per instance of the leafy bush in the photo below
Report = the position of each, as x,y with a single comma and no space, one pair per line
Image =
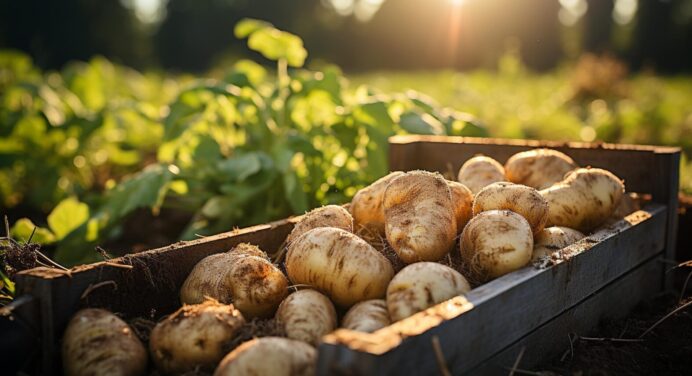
248,148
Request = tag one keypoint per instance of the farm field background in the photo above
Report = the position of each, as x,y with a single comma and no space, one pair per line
100,154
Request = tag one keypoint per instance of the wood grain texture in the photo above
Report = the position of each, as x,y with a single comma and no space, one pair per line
502,310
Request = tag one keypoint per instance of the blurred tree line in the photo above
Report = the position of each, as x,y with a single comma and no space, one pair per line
401,34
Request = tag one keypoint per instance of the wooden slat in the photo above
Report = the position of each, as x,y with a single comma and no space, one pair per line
502,310
551,339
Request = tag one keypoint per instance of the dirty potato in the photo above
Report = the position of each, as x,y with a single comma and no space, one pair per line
552,239
97,342
422,285
306,315
244,276
273,356
367,316
496,242
366,208
584,199
462,200
326,216
420,222
538,168
194,336
480,171
340,264
520,199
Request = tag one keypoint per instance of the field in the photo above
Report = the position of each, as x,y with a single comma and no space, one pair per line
100,154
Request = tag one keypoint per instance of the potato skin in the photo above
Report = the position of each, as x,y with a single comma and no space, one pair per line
274,356
194,336
480,171
462,200
340,264
307,315
496,242
520,199
422,285
538,168
366,206
97,342
367,316
420,222
553,238
326,216
584,200
244,276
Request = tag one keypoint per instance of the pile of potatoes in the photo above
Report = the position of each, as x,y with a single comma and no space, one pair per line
339,270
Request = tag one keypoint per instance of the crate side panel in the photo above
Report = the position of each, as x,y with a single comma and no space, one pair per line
551,339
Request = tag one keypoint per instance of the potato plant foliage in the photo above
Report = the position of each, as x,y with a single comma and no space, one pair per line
96,141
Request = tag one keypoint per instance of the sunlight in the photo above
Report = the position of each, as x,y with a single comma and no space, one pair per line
457,3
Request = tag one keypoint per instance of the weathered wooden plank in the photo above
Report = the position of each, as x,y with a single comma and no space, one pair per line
551,339
640,166
150,287
518,303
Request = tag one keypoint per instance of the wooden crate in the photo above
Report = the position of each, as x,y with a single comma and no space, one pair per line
533,309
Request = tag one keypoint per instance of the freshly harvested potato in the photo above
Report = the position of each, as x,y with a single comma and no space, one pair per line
628,205
194,336
366,206
420,222
273,356
244,276
97,342
340,264
496,242
538,168
326,216
462,200
584,200
367,316
307,315
518,198
480,171
553,238
422,285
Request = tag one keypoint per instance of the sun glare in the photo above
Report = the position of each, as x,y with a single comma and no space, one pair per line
457,3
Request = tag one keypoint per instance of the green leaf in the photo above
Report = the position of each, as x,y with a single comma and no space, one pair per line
467,125
145,189
417,123
295,195
240,167
375,113
67,216
248,26
22,231
275,44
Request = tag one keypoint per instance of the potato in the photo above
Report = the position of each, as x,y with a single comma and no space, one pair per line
367,316
628,205
273,356
244,276
462,200
340,264
552,239
326,216
194,336
496,242
520,199
97,342
422,285
538,168
420,222
366,207
307,315
480,171
584,200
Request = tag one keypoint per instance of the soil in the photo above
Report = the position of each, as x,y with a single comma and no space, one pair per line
665,350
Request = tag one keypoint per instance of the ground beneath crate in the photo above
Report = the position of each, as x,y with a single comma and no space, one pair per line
665,350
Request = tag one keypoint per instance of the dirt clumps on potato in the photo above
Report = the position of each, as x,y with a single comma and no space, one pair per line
98,342
420,221
194,336
244,276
